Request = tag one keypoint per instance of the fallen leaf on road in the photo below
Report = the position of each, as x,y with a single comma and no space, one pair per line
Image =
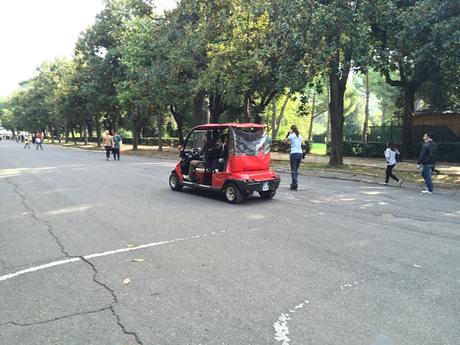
138,260
126,281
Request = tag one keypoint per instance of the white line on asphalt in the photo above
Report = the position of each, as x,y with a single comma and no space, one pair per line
96,255
38,268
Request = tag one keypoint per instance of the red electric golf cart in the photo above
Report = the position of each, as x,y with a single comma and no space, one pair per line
233,158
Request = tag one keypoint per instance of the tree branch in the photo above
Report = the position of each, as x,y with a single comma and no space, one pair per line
389,81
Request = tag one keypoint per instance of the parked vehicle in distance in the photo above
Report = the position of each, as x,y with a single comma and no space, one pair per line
233,158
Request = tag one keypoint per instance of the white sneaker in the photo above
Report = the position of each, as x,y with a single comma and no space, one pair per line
425,192
400,183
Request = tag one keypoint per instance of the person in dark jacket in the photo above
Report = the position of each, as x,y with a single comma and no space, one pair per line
427,161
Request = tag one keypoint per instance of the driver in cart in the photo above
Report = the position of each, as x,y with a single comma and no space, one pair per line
218,163
211,150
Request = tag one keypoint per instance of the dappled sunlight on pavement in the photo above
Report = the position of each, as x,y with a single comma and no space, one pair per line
5,173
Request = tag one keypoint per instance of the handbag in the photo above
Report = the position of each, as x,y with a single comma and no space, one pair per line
304,151
398,158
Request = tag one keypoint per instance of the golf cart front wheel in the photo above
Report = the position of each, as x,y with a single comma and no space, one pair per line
174,182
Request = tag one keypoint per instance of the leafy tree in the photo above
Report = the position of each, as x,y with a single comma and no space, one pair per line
328,38
409,38
98,55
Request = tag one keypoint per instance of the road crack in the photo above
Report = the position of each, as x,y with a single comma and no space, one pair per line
54,319
41,221
115,301
67,255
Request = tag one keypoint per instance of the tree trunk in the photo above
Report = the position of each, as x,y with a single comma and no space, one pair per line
74,139
310,128
85,133
337,91
384,115
51,129
160,130
89,127
137,131
408,138
198,109
328,122
246,111
273,121
98,133
366,108
280,117
66,132
216,107
180,124
258,108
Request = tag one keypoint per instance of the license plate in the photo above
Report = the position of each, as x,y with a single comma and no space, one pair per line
265,187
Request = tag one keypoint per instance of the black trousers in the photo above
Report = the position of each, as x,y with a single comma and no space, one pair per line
390,173
107,151
116,153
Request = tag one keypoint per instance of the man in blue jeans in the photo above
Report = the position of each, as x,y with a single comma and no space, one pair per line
427,160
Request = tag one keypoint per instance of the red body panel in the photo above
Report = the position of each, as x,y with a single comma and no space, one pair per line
248,163
218,179
179,172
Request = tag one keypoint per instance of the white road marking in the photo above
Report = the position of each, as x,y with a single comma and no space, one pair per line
66,210
281,327
97,255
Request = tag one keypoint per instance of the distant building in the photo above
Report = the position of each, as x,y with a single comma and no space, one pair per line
444,125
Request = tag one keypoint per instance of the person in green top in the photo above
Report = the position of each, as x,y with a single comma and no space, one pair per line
116,145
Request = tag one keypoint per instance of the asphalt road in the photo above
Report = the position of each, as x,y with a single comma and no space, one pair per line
132,262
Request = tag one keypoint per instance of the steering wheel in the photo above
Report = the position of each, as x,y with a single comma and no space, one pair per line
195,154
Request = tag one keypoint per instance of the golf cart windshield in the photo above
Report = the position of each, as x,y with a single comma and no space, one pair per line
250,142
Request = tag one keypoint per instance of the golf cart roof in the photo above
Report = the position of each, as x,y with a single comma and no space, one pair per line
227,125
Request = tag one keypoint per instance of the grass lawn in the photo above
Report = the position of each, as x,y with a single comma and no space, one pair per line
318,149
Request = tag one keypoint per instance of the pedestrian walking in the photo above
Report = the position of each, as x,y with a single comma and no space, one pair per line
295,157
427,161
116,145
107,142
390,155
33,138
38,141
26,140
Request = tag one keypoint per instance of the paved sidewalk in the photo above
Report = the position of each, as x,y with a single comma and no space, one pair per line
370,170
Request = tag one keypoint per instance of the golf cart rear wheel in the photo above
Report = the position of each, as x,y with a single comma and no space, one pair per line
269,194
174,182
233,194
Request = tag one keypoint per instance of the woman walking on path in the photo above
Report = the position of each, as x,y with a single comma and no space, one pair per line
107,142
296,141
116,146
26,140
390,156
